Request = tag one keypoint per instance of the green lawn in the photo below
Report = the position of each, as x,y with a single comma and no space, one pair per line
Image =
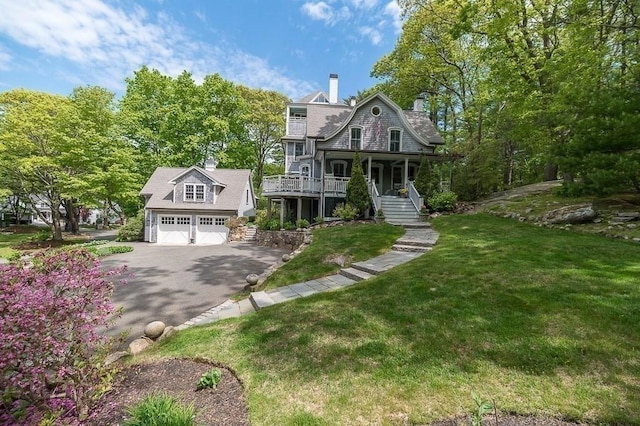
355,243
7,240
542,321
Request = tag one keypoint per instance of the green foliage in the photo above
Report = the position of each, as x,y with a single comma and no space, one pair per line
13,256
380,214
318,219
426,182
133,230
482,408
210,379
160,410
346,212
42,235
302,223
106,251
357,191
443,201
235,222
289,226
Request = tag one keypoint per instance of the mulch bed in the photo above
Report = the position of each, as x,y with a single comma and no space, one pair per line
178,378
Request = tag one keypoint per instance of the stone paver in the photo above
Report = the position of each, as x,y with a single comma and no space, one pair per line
416,237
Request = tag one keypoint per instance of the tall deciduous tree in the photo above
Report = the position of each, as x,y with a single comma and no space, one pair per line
264,124
175,122
32,140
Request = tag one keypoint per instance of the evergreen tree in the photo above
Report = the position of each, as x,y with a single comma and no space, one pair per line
357,191
425,182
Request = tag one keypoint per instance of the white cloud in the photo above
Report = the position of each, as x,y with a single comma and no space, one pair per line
108,43
373,34
364,4
393,10
321,11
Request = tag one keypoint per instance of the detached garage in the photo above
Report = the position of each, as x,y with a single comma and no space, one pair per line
192,206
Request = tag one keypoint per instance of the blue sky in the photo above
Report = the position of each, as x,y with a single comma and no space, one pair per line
286,45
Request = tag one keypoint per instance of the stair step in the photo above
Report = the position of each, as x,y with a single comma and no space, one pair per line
361,266
355,274
260,300
417,249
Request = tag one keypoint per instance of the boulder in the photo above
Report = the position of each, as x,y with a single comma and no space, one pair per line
168,331
286,257
139,345
581,213
154,329
252,279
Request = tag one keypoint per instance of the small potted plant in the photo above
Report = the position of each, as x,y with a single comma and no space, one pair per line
424,213
379,217
403,192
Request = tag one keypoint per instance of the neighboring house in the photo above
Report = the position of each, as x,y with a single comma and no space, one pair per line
191,205
322,137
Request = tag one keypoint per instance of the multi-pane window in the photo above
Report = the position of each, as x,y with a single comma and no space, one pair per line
339,169
183,220
194,192
299,149
356,138
167,220
220,221
206,221
394,140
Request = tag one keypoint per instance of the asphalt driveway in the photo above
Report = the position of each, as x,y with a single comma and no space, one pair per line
176,283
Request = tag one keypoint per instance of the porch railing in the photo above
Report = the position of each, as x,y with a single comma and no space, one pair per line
336,185
290,184
305,184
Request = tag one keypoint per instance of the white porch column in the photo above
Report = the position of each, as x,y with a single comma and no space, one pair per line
321,203
369,169
406,172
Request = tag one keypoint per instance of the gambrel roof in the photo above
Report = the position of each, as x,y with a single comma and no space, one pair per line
325,120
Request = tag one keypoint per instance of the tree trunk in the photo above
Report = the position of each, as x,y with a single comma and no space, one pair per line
55,224
72,217
550,172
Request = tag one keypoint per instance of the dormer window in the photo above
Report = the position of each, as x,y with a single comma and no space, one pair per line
355,140
194,192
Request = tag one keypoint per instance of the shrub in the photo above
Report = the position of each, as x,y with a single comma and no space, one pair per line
443,201
380,214
133,230
235,222
160,410
302,223
289,226
210,379
106,251
346,212
41,235
357,191
318,219
51,313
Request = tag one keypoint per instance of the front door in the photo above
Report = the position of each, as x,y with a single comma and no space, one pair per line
397,178
376,176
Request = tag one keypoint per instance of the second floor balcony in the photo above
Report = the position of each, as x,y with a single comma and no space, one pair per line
297,126
304,185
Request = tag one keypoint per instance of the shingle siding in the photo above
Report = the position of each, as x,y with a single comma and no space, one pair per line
194,177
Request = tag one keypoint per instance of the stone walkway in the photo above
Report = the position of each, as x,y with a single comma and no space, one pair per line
417,240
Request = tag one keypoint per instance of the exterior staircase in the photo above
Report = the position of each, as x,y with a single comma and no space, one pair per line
399,211
251,234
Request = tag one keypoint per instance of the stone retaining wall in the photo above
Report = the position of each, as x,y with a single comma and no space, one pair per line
286,240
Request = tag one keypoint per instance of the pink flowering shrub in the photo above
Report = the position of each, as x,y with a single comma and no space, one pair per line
51,352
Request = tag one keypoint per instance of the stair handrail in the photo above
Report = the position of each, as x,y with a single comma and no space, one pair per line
415,197
375,196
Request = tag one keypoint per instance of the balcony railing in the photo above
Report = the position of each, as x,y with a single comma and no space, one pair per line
297,126
303,184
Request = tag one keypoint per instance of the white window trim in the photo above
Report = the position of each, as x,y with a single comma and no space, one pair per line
351,138
195,185
389,138
379,111
343,162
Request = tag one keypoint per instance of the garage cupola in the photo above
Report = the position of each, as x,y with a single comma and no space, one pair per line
210,164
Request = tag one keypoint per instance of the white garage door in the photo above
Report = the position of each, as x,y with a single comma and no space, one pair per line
174,229
211,230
